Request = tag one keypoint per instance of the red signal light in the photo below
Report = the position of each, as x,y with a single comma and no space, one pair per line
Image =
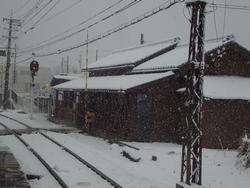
34,66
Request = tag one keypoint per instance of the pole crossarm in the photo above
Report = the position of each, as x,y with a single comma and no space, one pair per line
192,146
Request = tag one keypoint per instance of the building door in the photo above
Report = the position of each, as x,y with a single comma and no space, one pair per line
144,117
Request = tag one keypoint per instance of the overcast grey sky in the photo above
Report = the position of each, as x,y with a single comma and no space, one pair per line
164,25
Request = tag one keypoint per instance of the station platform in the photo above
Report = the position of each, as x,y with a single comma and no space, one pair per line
10,171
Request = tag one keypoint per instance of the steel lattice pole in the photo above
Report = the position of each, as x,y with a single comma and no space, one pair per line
192,147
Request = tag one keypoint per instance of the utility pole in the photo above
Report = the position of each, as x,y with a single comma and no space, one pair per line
62,66
96,55
192,146
14,73
67,65
2,78
80,62
142,39
12,23
86,86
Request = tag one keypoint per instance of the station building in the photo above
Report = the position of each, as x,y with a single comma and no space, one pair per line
138,93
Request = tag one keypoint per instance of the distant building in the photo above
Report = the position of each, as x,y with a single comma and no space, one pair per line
20,97
23,78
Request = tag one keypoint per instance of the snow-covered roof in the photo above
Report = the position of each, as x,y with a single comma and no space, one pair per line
227,87
132,55
174,58
66,77
171,59
117,83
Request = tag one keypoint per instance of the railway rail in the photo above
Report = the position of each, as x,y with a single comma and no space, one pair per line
60,146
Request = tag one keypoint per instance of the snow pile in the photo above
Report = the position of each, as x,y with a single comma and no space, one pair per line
244,152
218,166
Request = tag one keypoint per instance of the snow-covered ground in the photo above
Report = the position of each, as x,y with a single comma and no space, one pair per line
219,166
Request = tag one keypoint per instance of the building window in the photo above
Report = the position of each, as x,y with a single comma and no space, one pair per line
68,99
60,94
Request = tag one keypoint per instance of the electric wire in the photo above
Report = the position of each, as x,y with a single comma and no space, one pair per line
77,32
31,10
213,4
33,26
52,43
22,33
22,6
59,13
215,25
44,6
224,22
46,13
27,15
68,36
136,20
237,7
74,26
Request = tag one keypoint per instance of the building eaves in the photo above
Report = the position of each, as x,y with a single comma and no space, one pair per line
116,84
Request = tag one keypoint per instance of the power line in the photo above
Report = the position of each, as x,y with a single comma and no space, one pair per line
32,27
136,20
237,7
74,26
77,32
224,23
44,6
32,10
70,35
215,26
29,13
59,13
46,13
148,14
22,6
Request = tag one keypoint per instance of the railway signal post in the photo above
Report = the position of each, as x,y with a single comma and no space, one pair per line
34,66
191,167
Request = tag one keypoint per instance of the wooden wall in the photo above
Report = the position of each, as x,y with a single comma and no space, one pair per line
228,60
224,122
166,111
65,115
117,112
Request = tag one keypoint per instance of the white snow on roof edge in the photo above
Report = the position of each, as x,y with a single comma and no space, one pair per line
116,83
227,87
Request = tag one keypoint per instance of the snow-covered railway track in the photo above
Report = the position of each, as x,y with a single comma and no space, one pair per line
12,123
52,156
